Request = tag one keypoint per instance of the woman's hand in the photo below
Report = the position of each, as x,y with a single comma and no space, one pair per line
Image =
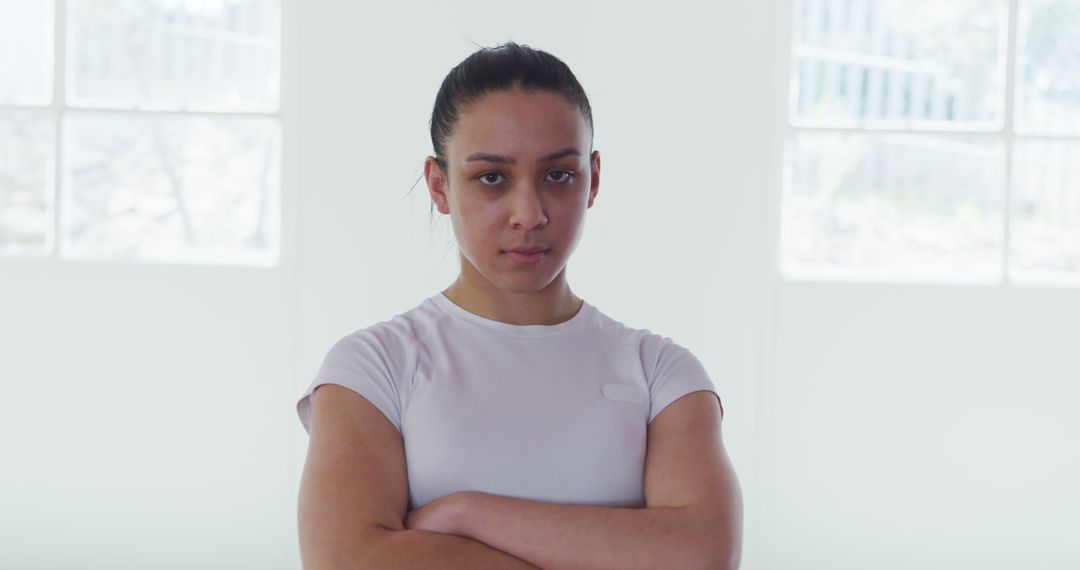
441,515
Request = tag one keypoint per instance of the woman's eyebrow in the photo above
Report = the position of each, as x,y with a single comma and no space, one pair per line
488,157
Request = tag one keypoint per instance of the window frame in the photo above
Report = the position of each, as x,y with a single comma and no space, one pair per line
1005,133
59,107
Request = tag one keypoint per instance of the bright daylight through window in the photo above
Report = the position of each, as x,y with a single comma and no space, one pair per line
933,141
141,130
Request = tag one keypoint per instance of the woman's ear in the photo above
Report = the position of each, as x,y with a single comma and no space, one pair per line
437,184
594,176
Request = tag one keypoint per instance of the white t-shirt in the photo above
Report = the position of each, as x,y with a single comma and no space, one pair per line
555,413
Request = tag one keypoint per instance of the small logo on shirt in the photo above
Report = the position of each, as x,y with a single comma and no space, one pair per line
625,393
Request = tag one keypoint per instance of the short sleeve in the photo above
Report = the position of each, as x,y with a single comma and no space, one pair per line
676,372
372,362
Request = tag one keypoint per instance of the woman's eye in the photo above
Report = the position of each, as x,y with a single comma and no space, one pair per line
488,177
493,178
563,175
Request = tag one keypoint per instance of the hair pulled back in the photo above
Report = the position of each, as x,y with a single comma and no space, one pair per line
501,68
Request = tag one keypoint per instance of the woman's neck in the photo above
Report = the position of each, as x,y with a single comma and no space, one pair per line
549,306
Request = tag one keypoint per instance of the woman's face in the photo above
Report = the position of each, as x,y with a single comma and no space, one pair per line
519,176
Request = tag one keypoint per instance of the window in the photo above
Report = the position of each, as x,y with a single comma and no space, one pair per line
140,130
933,141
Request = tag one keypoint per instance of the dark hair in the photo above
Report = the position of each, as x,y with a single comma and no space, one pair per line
500,68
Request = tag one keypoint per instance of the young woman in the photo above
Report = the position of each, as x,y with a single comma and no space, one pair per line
504,421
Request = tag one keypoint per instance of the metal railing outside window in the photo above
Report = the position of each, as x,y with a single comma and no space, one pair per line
146,131
933,141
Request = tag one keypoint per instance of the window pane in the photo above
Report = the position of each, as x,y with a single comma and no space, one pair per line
170,189
26,52
26,182
1048,65
898,62
1045,229
898,207
175,54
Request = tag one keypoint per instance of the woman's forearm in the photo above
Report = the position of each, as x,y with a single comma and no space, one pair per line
423,549
573,537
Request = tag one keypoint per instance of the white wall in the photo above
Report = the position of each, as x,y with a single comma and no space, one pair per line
138,428
150,419
922,427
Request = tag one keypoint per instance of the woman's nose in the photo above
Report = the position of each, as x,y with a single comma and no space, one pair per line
526,207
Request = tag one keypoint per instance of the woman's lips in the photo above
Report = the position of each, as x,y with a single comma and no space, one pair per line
527,258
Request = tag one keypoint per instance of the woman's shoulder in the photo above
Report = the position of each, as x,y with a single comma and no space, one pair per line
623,333
397,333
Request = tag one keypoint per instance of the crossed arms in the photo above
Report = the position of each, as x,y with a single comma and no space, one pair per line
692,518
